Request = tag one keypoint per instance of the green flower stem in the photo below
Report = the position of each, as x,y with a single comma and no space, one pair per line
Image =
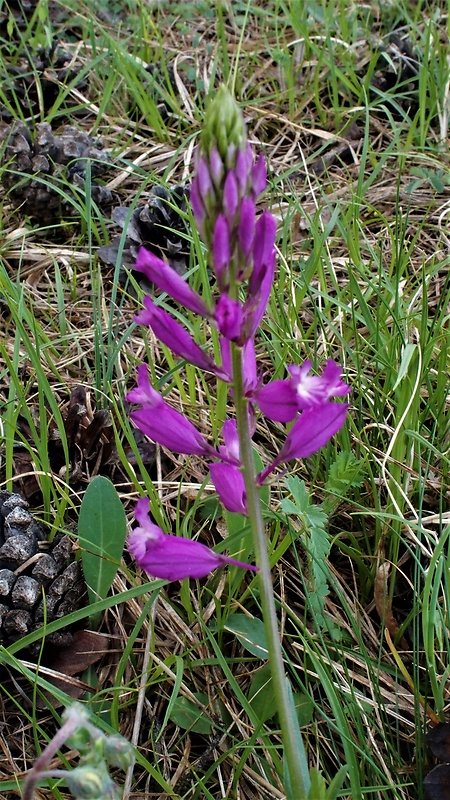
289,725
39,769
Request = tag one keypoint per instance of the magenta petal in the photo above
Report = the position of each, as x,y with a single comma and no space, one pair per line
249,367
313,390
250,372
216,166
332,376
278,401
221,248
243,170
230,450
144,391
313,430
309,433
255,305
230,486
225,352
170,429
229,316
165,277
163,424
173,335
246,227
230,196
204,182
172,557
196,203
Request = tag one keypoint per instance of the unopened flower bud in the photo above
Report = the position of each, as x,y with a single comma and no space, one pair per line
119,752
90,783
224,128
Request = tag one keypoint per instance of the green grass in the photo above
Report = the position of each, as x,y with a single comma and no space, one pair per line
362,278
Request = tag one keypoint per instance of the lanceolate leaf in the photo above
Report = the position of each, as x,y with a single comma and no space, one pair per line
101,533
250,632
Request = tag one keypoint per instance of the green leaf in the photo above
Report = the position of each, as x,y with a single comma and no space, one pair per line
292,791
318,543
261,695
408,351
304,708
102,529
318,786
346,472
189,716
336,784
250,632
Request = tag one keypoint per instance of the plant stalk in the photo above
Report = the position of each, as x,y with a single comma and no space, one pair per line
39,769
288,723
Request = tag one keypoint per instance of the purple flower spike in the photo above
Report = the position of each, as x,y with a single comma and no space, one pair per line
308,434
172,558
173,335
221,250
166,279
230,486
163,424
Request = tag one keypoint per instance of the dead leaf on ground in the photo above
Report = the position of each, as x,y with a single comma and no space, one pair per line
382,604
437,783
438,740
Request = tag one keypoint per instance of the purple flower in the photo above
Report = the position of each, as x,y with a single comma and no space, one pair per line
230,486
163,424
221,251
281,400
259,176
216,167
246,226
166,279
230,450
309,433
263,250
252,379
243,169
203,177
172,557
197,205
230,196
262,274
228,316
173,335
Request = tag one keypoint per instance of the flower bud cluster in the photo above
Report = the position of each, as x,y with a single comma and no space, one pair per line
224,191
90,779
